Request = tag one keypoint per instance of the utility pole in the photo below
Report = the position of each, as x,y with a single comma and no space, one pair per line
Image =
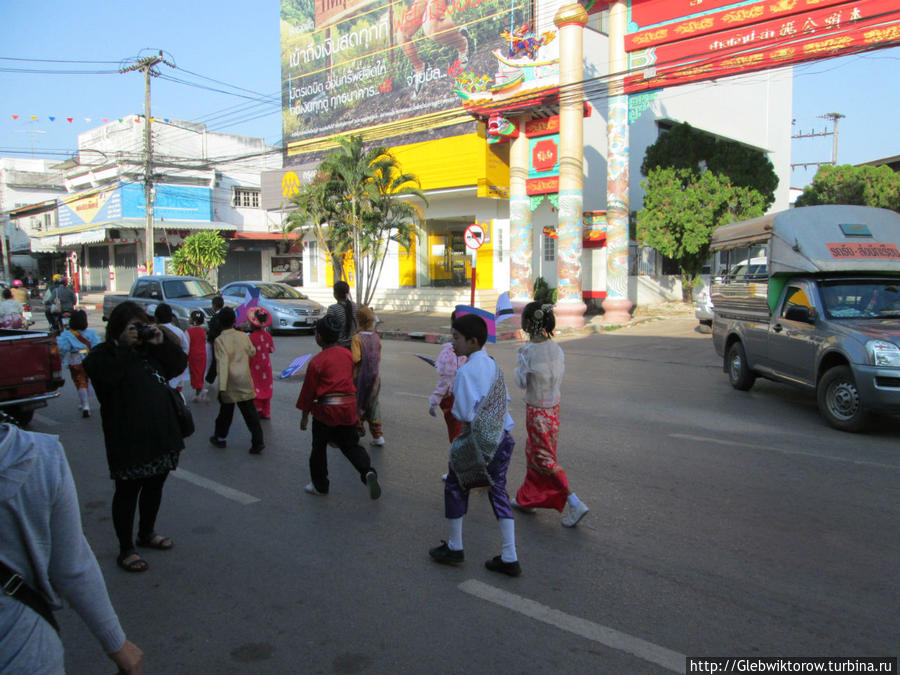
834,117
147,65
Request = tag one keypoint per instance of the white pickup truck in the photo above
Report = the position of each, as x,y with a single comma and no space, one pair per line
826,314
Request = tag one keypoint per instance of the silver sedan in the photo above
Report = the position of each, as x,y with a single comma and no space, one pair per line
291,310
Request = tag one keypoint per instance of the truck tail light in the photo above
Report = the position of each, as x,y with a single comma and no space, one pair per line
56,365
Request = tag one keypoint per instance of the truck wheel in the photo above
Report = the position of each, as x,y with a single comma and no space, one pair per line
839,400
736,364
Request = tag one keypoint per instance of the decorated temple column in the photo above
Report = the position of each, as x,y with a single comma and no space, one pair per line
521,283
570,308
617,306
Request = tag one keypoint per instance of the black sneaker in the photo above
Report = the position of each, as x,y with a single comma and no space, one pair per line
372,484
443,555
256,449
216,442
496,564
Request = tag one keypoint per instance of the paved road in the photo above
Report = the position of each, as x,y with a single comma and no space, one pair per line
721,523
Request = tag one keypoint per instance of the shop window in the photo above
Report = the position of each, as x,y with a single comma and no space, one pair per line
246,197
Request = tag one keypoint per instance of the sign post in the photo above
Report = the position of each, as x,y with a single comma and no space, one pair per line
474,238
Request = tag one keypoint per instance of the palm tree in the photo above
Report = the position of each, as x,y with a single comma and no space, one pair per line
316,212
369,196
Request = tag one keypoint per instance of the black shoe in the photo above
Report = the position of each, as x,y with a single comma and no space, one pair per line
256,449
216,442
443,555
372,484
85,413
496,564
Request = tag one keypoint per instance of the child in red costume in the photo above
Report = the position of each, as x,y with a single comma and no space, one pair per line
260,363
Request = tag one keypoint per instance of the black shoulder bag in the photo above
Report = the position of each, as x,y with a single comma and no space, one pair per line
182,411
14,586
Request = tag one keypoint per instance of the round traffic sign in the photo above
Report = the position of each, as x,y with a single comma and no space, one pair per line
474,236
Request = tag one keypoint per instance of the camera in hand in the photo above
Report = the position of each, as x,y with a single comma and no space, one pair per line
145,331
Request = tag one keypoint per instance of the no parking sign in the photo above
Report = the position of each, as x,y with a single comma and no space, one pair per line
474,236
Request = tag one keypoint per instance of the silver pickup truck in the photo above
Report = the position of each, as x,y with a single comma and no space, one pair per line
183,294
826,315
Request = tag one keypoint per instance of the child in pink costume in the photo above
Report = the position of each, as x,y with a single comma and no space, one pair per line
260,364
442,397
197,357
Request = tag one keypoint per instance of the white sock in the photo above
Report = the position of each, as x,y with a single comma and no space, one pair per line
454,534
508,539
83,398
573,500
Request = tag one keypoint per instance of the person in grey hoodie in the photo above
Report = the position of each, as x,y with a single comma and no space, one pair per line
42,540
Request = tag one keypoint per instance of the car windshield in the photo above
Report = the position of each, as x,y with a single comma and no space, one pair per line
861,299
188,288
278,292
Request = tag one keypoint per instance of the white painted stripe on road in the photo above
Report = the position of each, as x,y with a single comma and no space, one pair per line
770,448
407,393
218,488
609,637
43,419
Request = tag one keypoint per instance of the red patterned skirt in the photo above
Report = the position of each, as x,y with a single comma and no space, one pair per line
79,377
546,485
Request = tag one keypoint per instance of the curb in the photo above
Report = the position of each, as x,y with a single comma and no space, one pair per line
435,338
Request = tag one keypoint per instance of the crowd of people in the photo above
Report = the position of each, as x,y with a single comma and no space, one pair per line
140,372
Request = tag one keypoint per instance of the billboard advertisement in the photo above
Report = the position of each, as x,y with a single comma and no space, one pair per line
126,200
350,65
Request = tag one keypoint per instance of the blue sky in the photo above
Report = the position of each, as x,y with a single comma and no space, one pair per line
238,43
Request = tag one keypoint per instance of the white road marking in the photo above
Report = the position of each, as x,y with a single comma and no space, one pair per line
43,419
609,637
218,488
407,393
770,448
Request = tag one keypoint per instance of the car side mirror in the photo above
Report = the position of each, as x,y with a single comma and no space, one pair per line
800,313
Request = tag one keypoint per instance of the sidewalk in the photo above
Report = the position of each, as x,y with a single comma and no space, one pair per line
434,327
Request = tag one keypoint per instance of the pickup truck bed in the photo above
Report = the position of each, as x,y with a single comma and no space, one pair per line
31,373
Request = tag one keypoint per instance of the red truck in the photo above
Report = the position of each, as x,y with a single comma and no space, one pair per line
30,372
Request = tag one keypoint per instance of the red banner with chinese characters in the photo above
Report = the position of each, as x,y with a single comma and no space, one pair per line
859,249
721,21
759,52
542,186
649,12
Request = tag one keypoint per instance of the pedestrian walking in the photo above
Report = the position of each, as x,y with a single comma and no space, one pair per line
260,363
541,364
446,365
366,350
45,559
129,372
165,319
328,393
479,456
344,313
213,331
198,355
233,350
74,344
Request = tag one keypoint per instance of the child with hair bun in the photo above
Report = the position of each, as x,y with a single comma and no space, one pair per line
366,350
539,372
198,356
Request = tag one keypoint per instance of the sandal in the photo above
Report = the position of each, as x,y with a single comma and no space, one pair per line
131,561
155,541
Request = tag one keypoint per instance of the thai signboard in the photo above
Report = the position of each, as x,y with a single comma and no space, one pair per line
756,36
349,65
126,200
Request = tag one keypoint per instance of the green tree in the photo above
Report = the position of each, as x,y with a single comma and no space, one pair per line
682,208
683,147
200,254
875,186
359,202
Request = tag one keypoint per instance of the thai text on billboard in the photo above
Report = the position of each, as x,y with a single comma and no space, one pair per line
349,65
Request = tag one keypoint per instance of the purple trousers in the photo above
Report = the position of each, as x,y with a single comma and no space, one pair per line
456,497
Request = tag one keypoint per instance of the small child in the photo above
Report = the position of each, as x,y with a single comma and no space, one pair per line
165,319
366,350
260,363
479,456
197,355
446,365
233,350
74,344
329,394
539,372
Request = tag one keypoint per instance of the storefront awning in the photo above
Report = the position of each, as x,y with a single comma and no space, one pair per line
51,241
266,236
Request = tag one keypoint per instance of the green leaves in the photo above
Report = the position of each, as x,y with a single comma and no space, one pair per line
200,254
876,186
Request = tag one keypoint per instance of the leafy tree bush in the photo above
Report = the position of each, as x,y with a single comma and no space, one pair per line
543,293
875,186
200,254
